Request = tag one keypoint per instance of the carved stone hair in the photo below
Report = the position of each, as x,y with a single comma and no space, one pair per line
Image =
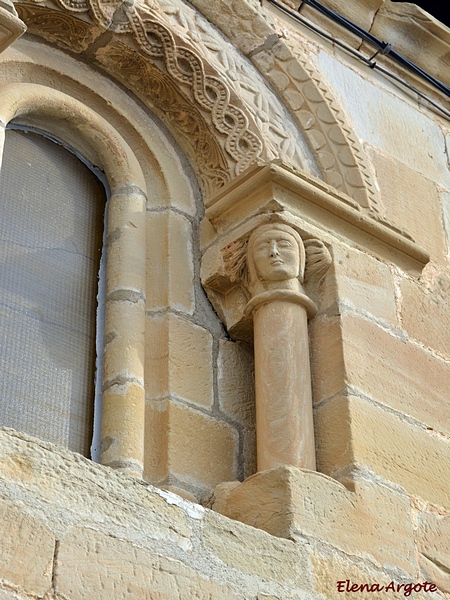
315,258
238,256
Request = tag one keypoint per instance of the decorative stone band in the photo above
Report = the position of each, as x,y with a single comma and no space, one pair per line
284,295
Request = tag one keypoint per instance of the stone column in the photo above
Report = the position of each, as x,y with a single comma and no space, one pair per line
124,393
284,416
270,266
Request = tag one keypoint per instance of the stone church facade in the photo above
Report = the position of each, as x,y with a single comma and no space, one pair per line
257,197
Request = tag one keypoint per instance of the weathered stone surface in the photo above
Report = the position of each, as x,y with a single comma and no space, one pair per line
358,353
170,266
433,537
411,137
46,477
238,16
197,449
179,360
329,568
237,395
362,282
404,192
295,503
426,312
26,550
256,553
354,432
413,30
91,565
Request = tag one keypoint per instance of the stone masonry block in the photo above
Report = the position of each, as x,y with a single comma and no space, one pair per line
197,449
257,554
93,565
237,394
170,264
179,360
433,540
388,123
426,314
362,282
358,353
296,503
26,551
353,432
404,194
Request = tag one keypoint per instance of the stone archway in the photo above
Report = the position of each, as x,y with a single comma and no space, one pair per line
216,104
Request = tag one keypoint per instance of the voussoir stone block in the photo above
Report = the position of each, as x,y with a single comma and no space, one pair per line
26,550
295,503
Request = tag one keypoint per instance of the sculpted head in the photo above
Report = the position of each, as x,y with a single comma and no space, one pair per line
275,257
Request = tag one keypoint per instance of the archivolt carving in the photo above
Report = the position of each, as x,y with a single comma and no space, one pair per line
149,82
66,30
281,136
210,93
337,150
231,105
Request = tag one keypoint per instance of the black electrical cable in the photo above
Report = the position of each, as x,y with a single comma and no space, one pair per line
383,48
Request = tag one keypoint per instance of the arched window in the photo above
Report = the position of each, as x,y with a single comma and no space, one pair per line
51,227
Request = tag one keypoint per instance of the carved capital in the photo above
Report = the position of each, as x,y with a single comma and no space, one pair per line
246,273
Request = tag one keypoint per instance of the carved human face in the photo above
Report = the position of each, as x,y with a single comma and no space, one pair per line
276,255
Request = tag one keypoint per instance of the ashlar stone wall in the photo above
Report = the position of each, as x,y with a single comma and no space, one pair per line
368,177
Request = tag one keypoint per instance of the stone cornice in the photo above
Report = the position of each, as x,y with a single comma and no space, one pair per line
273,188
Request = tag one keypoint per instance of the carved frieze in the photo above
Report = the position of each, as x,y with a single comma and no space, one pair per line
63,29
150,82
225,93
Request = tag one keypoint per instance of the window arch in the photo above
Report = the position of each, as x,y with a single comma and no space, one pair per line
81,128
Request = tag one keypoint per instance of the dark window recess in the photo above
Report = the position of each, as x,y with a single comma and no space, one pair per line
51,224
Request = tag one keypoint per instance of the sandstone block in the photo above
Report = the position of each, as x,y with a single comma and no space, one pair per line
239,21
26,550
255,553
434,548
195,448
93,565
403,192
179,360
353,432
170,270
124,329
358,353
412,138
331,568
237,394
361,282
295,503
426,314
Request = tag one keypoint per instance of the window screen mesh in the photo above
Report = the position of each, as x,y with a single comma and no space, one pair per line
51,221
